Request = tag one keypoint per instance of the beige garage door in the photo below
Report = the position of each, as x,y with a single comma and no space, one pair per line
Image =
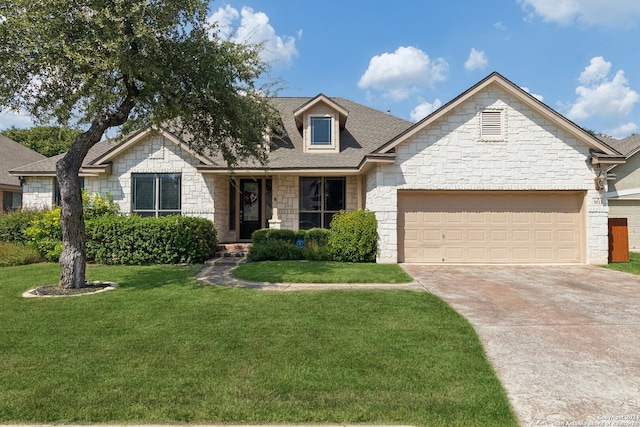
490,227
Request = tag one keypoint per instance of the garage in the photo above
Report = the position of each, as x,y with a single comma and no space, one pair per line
491,226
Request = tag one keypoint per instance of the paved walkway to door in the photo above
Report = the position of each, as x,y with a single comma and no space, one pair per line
564,340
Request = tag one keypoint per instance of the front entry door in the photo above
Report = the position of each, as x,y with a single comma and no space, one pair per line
250,207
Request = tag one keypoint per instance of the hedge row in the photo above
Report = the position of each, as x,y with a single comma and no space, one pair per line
115,239
352,237
135,240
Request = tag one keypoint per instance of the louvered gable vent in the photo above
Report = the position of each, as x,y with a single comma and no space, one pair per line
491,125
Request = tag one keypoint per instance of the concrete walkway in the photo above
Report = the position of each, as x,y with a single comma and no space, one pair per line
218,272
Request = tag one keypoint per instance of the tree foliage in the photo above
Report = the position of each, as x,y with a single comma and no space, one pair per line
46,140
101,64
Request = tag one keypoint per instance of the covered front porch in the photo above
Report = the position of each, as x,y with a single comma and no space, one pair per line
247,202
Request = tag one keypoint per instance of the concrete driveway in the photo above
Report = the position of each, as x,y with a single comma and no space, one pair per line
564,340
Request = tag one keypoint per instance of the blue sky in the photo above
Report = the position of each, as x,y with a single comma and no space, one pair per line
580,57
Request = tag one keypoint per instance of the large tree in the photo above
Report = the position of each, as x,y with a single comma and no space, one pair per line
129,63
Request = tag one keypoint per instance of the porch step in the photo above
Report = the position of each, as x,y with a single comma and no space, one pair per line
233,250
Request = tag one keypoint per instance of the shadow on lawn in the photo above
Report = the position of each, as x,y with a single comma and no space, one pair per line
142,278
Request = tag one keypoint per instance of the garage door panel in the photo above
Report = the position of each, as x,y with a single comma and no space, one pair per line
492,226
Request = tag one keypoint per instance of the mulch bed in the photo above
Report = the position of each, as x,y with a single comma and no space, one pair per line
57,291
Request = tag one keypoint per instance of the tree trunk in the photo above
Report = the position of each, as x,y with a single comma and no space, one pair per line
73,260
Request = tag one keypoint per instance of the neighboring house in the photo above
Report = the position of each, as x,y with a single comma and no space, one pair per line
494,176
624,188
13,154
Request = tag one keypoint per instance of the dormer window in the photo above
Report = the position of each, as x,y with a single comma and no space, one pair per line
321,133
320,121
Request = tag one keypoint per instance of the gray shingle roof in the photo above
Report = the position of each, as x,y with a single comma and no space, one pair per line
626,146
366,129
13,154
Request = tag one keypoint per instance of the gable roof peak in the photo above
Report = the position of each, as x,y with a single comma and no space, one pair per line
519,93
321,98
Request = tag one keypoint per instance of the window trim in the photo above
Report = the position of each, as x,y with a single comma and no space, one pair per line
312,127
334,130
156,211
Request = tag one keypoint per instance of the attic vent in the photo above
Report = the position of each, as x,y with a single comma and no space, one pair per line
491,126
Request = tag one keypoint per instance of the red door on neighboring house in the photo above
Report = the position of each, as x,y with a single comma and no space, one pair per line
618,240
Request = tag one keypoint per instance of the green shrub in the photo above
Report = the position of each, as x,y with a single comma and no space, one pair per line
259,236
135,240
316,245
274,245
95,205
354,236
281,235
18,254
319,236
13,225
45,234
274,250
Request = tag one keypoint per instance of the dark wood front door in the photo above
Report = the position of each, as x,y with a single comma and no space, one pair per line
250,207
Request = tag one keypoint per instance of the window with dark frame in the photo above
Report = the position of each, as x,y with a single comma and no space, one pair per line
11,200
156,194
321,131
320,199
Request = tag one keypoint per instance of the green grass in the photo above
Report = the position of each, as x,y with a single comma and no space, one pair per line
633,266
163,349
321,272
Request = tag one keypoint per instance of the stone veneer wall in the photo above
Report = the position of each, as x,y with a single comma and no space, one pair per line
449,155
37,192
286,193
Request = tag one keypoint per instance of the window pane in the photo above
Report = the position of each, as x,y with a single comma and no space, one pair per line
17,200
321,130
7,200
169,191
334,194
309,220
144,192
310,194
327,219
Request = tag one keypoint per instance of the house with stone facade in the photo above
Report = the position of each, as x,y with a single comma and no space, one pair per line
13,154
493,176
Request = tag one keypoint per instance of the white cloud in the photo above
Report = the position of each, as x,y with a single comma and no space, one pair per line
500,26
623,131
590,12
477,60
423,110
601,96
254,28
10,118
403,72
535,95
596,71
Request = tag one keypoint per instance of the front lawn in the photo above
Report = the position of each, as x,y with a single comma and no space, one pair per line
633,266
321,272
164,349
